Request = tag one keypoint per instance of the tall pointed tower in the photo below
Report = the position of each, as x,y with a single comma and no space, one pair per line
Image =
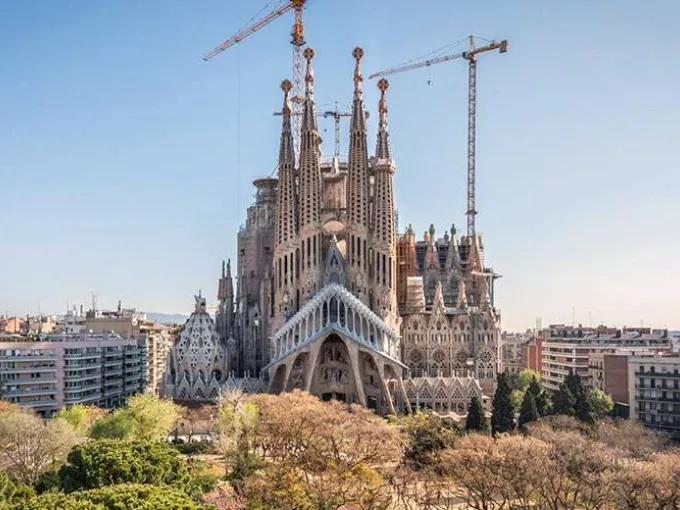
358,194
383,241
224,318
285,252
307,267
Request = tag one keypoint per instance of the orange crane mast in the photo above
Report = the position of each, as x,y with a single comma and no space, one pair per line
471,56
297,41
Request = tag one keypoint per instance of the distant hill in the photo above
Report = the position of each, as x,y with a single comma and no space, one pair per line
167,318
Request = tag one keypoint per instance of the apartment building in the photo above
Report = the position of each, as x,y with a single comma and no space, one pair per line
158,339
654,392
53,371
567,348
514,352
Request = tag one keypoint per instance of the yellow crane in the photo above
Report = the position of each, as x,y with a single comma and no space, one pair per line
471,56
297,41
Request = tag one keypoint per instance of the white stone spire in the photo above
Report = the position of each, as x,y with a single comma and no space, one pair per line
287,219
383,149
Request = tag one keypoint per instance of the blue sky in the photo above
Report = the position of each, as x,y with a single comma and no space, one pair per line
126,161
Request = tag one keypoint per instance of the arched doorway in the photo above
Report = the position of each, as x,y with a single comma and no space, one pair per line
333,378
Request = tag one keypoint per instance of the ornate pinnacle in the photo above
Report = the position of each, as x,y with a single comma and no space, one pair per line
383,84
286,86
358,53
309,77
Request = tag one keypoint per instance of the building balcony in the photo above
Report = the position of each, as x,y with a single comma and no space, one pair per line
21,370
85,384
93,366
657,374
30,392
37,403
81,399
44,357
31,380
642,398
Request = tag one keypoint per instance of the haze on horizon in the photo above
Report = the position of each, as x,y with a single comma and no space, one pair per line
126,161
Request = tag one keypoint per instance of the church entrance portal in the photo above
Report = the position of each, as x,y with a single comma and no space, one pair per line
333,377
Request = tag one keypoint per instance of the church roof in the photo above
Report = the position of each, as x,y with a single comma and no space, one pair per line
387,343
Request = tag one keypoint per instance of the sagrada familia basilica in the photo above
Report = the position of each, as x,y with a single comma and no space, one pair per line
331,299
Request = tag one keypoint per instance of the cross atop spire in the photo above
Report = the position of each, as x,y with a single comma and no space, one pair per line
309,75
286,86
383,150
358,53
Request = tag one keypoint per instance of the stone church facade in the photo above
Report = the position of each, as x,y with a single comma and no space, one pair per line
331,299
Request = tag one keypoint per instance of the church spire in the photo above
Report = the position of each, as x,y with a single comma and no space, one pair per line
358,187
286,194
309,113
310,171
383,149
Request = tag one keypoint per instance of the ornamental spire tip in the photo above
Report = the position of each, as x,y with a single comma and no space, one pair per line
309,76
358,54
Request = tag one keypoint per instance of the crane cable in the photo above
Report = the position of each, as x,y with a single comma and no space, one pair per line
238,130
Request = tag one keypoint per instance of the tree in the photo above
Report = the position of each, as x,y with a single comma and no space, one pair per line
81,418
427,435
476,419
528,412
540,397
115,497
476,465
564,401
574,383
110,461
235,426
503,414
517,396
576,473
13,493
583,408
629,439
526,377
326,453
117,425
153,417
146,417
601,404
58,501
653,483
224,497
29,446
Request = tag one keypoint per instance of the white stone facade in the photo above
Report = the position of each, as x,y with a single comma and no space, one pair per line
197,364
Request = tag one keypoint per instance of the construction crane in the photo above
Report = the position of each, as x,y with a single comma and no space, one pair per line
471,56
297,40
337,115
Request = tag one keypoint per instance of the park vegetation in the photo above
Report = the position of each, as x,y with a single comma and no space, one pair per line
293,451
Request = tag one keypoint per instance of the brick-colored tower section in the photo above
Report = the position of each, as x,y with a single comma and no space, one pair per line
406,264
